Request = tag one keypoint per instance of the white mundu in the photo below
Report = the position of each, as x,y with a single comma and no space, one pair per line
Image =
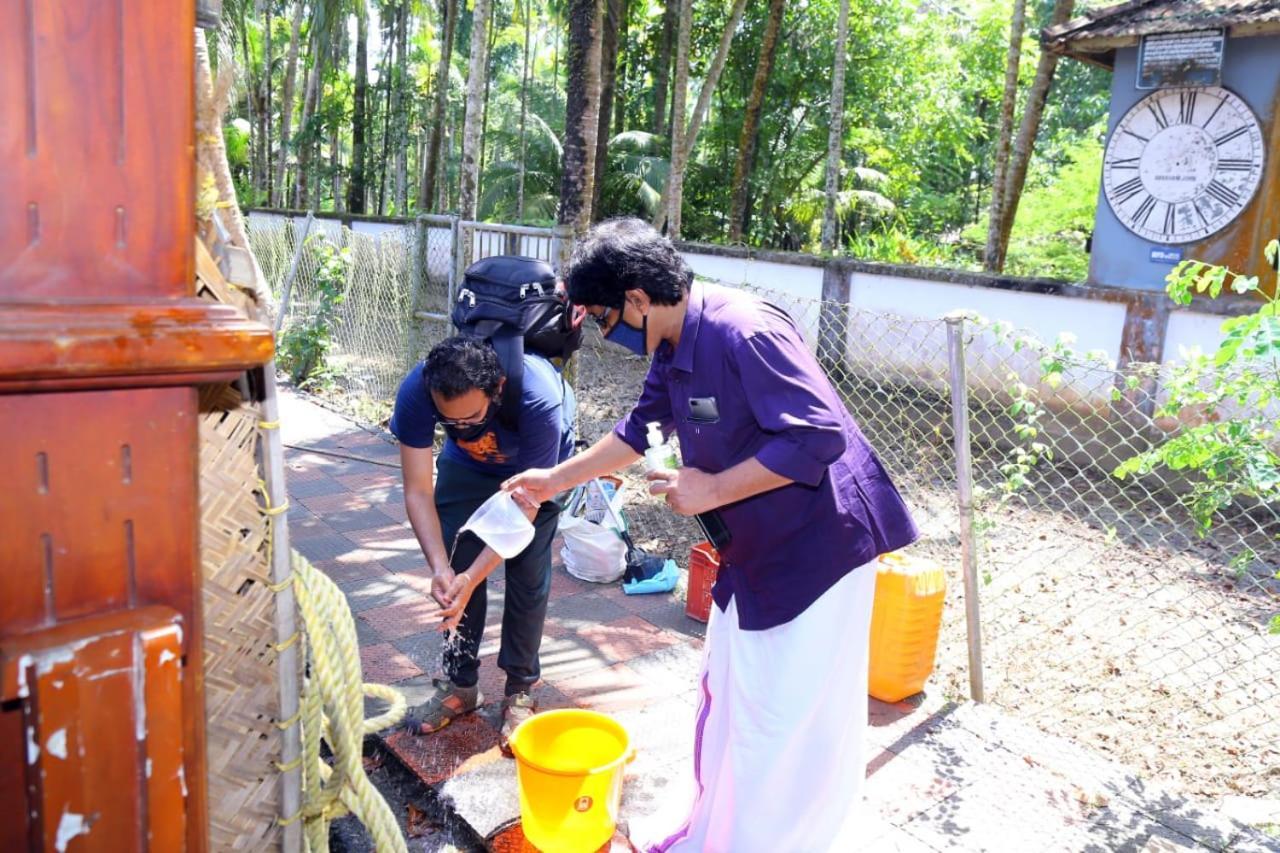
779,752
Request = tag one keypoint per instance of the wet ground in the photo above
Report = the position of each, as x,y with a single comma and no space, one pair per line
942,775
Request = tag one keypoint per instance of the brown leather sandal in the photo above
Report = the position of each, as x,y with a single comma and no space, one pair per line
448,701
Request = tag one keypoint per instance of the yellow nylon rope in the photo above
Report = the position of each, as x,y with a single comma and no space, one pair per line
332,709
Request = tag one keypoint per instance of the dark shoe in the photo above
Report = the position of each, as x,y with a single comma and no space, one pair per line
447,702
516,708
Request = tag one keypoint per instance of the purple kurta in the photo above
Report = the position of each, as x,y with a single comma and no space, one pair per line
791,544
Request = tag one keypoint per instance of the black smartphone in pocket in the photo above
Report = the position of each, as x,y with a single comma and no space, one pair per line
714,529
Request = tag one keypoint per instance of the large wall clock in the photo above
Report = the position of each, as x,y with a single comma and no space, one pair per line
1183,163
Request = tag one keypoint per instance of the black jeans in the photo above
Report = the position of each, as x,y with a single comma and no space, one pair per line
459,491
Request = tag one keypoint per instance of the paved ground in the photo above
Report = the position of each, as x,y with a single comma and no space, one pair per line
941,775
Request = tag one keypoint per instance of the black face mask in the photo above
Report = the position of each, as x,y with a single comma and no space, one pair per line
473,431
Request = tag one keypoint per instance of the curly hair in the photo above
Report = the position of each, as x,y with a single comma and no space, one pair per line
459,364
625,254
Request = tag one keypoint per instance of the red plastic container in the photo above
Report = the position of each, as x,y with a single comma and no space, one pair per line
704,565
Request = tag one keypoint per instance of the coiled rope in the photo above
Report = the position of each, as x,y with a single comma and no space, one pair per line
332,709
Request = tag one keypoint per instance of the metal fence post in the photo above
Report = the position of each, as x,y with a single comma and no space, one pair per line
964,500
561,247
455,261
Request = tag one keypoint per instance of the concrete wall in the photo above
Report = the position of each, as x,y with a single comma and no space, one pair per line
890,321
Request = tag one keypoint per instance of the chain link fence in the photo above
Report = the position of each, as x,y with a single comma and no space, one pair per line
1105,618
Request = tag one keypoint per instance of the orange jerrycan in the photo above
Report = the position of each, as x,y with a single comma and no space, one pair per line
904,625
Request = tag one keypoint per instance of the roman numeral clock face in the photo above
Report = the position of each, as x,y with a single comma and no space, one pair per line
1183,163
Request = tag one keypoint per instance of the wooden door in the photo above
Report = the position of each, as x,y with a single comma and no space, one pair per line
101,346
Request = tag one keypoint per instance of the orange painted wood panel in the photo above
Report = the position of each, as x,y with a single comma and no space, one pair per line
161,650
127,338
98,132
102,509
100,731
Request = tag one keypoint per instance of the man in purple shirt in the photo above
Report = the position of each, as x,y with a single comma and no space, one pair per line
768,446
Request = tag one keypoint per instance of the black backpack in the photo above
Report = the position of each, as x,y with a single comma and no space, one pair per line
516,304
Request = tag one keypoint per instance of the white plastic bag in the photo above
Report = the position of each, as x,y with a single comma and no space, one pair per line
502,525
592,552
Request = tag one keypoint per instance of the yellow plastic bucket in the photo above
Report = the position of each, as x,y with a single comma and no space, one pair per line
569,764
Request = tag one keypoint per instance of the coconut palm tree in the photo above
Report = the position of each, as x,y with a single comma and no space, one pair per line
582,115
835,134
1007,104
751,122
427,189
477,79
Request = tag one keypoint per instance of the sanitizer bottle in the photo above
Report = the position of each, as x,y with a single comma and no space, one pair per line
660,454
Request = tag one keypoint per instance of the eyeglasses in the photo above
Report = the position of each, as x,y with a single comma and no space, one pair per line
470,422
602,319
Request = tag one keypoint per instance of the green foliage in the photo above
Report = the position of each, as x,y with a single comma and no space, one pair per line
304,343
1055,215
923,85
1227,399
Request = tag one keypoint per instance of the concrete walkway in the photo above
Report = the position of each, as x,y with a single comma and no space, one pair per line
941,775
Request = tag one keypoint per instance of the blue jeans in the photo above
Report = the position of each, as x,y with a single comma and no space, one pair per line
459,491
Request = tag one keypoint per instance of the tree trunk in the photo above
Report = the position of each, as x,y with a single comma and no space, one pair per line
310,101
751,121
359,113
267,61
835,137
1020,157
431,169
476,80
713,77
620,81
398,111
286,106
384,160
524,109
582,114
1007,104
484,123
662,74
613,12
704,101
251,103
335,167
673,194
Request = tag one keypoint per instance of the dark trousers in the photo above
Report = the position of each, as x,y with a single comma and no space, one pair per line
459,491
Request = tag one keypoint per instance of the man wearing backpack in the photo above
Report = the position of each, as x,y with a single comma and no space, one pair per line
493,430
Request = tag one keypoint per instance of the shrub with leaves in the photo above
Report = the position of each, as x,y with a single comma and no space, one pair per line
305,342
1232,394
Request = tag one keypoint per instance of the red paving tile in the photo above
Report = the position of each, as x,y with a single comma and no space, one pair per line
393,509
404,619
436,757
610,689
383,663
348,571
419,580
391,534
341,502
362,482
309,526
564,584
624,639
